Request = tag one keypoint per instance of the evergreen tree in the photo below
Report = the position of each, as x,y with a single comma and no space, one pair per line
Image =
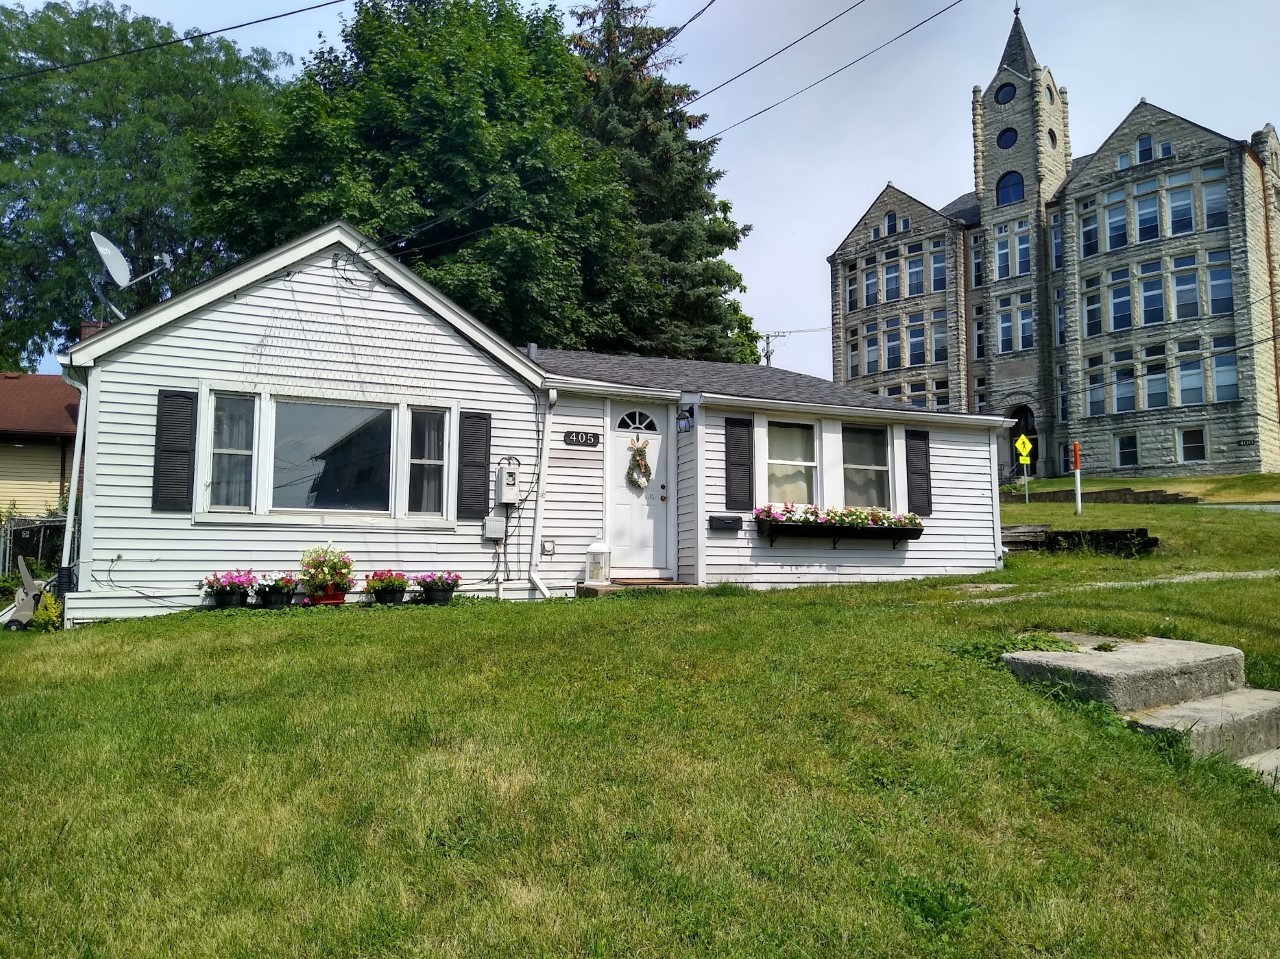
683,303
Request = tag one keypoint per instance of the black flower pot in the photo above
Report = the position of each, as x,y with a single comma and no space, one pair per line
230,600
390,596
437,595
275,599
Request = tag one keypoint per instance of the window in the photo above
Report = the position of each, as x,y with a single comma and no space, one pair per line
1089,235
1003,264
1221,299
890,223
894,391
1005,92
870,287
1186,296
1060,390
915,276
1190,381
892,289
1121,301
875,233
866,466
637,420
1096,387
1024,254
939,272
1146,151
1007,138
1193,446
1026,325
977,266
850,290
1092,307
1214,197
1182,217
792,463
918,396
1148,218
1117,227
231,474
332,457
1006,331
1126,387
905,224
1166,149
1156,386
915,346
426,462
872,350
941,396
979,339
1055,241
893,350
1226,384
1127,450
1152,301
1060,316
1124,161
939,336
1009,188
853,359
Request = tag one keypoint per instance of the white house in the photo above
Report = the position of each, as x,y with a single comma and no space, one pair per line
323,392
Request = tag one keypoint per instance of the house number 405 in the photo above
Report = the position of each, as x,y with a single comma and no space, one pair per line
581,438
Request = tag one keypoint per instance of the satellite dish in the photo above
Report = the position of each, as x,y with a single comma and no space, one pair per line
114,260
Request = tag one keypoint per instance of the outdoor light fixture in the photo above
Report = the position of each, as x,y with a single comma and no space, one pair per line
684,420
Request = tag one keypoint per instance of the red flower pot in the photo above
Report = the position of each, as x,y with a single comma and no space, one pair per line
332,596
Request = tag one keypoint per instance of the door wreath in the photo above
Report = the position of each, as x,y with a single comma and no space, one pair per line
639,472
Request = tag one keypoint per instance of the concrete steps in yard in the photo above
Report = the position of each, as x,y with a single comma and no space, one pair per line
1169,685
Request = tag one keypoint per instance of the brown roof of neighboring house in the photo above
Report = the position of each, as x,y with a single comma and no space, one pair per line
37,404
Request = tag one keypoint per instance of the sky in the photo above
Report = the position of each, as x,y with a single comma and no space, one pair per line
803,174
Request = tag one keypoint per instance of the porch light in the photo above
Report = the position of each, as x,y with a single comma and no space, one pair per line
684,420
598,562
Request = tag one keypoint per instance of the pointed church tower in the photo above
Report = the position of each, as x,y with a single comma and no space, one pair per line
1020,132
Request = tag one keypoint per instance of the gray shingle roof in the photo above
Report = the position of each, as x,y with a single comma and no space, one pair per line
1017,51
702,376
965,208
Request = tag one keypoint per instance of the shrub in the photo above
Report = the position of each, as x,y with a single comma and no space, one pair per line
48,615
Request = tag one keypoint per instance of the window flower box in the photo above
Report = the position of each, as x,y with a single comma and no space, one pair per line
856,523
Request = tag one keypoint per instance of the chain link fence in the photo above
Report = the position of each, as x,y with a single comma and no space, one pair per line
36,538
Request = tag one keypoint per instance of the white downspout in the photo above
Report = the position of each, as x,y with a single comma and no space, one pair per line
73,491
544,454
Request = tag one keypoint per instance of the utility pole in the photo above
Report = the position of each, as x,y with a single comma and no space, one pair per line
768,338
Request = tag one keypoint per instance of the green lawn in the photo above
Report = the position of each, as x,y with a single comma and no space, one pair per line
1242,488
818,772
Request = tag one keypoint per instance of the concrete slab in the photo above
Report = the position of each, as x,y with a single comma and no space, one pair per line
1135,675
1243,722
1267,765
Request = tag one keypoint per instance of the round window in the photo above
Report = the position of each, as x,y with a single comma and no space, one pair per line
1053,140
1007,138
1005,92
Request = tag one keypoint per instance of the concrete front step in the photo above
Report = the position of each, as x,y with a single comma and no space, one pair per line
1135,676
1240,723
1266,765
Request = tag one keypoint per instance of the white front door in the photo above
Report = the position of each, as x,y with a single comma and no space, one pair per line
638,510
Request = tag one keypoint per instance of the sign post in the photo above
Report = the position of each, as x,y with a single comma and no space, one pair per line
1075,452
1023,446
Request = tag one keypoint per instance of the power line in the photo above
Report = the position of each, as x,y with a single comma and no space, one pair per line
166,43
776,53
851,63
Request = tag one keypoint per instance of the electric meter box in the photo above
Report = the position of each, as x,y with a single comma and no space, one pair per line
506,485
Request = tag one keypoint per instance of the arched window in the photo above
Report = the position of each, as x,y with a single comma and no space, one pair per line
1009,188
890,223
637,420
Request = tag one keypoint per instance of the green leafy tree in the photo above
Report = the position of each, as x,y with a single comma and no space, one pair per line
684,303
445,129
105,147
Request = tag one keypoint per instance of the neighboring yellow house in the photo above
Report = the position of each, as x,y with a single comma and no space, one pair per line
37,435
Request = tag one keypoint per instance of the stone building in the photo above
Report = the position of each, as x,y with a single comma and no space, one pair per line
1125,299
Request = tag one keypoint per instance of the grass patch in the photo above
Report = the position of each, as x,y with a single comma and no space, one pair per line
1241,488
822,771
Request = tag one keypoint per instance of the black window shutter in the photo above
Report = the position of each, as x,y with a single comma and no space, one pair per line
919,486
173,477
737,463
473,465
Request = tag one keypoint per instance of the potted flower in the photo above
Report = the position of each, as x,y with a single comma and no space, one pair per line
437,588
326,575
386,585
275,590
229,589
853,522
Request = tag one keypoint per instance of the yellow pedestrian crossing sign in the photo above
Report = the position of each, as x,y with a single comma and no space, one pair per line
1023,446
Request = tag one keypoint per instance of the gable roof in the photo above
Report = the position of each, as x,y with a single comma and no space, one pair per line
1017,51
737,380
37,404
964,208
889,188
339,233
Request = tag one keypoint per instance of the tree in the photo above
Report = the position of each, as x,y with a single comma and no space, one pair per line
685,306
446,130
105,147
